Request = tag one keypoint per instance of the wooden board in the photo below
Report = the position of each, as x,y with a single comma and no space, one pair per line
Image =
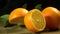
19,30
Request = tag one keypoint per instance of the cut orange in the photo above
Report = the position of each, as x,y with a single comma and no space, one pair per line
52,17
34,20
17,15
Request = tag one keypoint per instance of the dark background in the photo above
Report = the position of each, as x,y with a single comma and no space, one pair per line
6,6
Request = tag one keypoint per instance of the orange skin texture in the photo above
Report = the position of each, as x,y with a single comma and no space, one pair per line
52,20
17,13
28,22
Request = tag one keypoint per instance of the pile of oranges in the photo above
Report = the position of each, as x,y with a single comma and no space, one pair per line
36,20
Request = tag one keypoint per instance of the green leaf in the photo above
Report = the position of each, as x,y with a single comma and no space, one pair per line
38,6
24,6
4,19
21,24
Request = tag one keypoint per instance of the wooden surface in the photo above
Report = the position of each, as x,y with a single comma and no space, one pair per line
19,30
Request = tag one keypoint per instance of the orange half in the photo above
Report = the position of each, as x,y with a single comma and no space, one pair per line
34,20
17,15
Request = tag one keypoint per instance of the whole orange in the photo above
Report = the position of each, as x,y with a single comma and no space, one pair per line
52,17
17,15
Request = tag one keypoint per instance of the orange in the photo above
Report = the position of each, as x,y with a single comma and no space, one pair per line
34,21
17,15
58,13
52,17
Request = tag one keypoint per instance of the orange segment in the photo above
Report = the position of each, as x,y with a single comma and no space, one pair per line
17,15
34,20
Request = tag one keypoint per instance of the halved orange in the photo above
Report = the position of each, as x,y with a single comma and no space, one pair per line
34,20
52,17
17,15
